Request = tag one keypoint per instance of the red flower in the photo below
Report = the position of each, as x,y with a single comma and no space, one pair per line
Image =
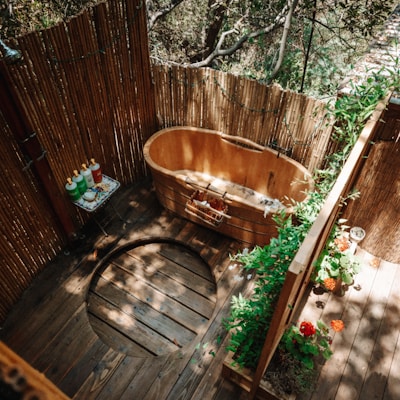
307,328
337,325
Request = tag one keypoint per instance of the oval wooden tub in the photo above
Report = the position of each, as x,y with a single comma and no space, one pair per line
227,183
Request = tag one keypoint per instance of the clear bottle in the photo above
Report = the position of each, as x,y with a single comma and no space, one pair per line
96,170
87,175
80,181
72,190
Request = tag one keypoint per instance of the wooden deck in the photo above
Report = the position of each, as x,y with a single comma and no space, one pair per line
366,360
139,314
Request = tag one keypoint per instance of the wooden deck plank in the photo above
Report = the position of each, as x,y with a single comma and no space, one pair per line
392,389
149,375
115,339
67,347
52,327
121,378
185,258
169,287
77,375
360,355
383,375
138,332
333,369
148,314
60,303
171,307
151,262
100,375
380,363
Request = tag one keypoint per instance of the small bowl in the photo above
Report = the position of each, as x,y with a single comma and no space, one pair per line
357,234
89,196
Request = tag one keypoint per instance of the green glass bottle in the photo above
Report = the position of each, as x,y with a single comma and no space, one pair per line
80,181
72,190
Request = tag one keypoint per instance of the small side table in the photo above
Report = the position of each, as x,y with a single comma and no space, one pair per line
104,190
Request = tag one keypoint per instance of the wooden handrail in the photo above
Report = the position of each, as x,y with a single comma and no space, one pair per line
300,270
242,140
23,379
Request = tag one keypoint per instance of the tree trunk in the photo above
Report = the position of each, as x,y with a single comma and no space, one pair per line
216,14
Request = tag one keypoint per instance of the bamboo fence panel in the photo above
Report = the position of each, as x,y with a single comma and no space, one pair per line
29,236
88,93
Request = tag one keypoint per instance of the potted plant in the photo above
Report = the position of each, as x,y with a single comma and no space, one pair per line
337,265
295,366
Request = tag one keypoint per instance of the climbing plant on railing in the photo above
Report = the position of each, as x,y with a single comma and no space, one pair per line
250,317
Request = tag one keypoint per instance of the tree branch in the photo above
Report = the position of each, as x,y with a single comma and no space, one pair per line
153,17
288,20
219,52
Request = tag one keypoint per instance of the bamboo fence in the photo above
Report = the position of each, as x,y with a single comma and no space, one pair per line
88,89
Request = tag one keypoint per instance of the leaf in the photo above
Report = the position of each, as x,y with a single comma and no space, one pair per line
347,278
308,362
327,353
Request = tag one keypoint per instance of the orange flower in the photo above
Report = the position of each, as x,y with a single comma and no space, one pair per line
342,243
337,325
307,328
330,283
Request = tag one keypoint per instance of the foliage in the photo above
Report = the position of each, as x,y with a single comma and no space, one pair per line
292,369
307,342
250,317
336,260
23,16
187,31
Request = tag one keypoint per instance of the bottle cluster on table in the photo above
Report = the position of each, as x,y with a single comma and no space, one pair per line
83,180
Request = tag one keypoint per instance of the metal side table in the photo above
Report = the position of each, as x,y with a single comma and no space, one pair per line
103,192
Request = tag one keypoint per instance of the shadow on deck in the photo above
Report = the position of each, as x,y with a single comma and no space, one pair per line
94,321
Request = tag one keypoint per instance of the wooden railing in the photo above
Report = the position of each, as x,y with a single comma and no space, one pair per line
23,381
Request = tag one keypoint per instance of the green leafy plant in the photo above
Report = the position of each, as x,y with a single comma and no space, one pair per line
338,265
292,369
336,261
307,342
250,318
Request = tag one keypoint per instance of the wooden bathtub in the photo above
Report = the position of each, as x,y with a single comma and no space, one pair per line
227,183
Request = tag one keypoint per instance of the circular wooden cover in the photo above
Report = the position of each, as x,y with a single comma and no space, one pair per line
151,299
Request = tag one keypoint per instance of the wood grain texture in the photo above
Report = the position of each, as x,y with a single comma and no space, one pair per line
52,330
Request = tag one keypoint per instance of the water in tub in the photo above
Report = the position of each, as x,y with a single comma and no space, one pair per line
222,186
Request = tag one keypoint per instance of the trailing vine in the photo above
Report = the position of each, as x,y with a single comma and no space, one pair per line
250,318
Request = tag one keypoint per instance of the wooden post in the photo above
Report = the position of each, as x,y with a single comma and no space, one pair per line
300,269
19,123
24,380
